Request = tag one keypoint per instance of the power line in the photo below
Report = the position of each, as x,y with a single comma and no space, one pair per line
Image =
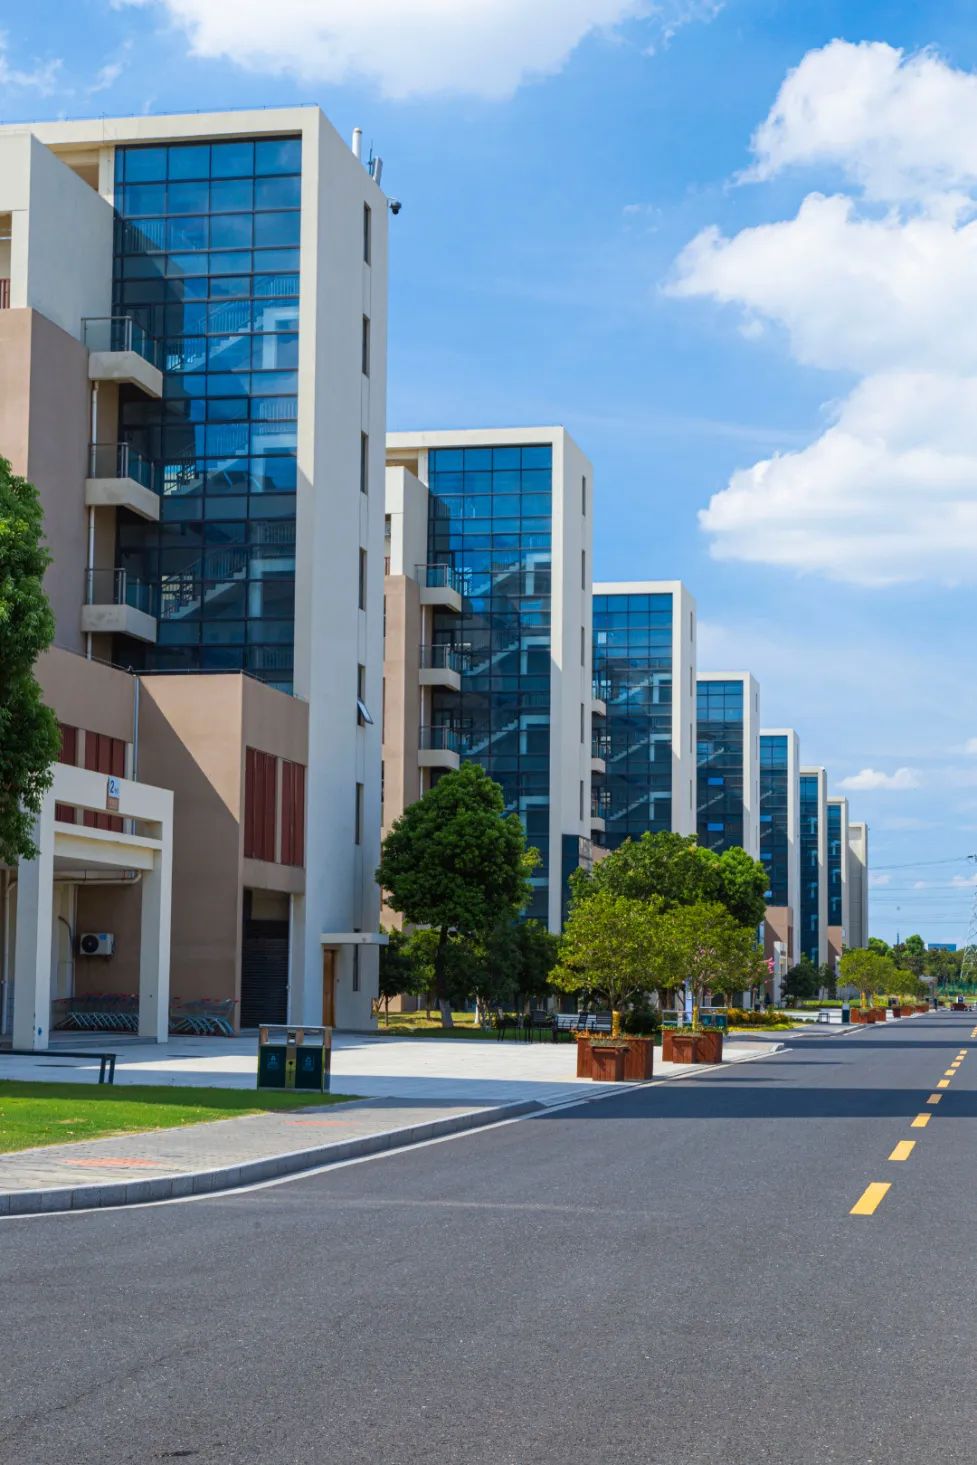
922,864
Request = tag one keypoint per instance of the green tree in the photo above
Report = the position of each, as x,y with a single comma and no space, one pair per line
801,982
675,869
869,972
398,974
607,947
706,947
456,862
29,738
875,943
913,955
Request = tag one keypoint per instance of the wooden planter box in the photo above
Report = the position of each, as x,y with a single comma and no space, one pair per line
607,1064
637,1059
693,1047
859,1014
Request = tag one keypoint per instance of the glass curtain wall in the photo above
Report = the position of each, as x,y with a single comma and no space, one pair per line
774,803
810,924
834,865
719,760
491,521
207,260
633,671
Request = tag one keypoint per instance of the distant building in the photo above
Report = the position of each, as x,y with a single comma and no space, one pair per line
813,939
728,761
644,674
488,631
780,848
858,883
839,884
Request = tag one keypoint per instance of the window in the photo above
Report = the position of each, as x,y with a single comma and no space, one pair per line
364,462
583,569
293,813
367,234
583,647
362,711
581,721
366,345
356,968
583,496
581,801
68,753
358,818
260,779
362,586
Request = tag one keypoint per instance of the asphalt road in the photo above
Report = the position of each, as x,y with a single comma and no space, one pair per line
671,1276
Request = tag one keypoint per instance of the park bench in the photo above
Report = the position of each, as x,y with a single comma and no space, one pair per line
106,1061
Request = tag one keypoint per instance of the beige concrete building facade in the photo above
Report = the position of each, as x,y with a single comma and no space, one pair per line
233,668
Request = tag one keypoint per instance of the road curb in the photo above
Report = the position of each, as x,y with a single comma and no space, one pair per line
231,1177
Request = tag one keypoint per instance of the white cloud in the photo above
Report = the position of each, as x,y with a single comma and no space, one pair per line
888,491
876,880
897,125
410,47
106,76
872,778
42,76
970,746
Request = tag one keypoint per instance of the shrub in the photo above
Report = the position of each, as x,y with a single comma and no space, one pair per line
759,1018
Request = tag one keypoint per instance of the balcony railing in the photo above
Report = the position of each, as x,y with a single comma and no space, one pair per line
120,333
439,739
446,658
601,690
4,294
119,460
118,587
600,747
442,577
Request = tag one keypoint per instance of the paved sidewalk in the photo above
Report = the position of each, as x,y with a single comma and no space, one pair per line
168,1164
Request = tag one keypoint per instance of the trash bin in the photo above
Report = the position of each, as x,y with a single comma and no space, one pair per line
294,1057
846,1014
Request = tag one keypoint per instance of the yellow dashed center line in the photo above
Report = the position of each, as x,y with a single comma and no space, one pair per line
871,1198
903,1149
934,1098
921,1121
944,1083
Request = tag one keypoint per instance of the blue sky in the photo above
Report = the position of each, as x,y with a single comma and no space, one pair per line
557,171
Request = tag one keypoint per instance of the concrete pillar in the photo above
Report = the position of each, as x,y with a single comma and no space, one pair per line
32,952
154,947
296,962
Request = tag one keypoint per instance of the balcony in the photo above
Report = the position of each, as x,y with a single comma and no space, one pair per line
600,747
118,605
441,586
121,351
600,693
121,478
437,747
598,814
443,666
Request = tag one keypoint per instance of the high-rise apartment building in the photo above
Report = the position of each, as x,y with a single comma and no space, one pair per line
488,631
780,848
192,371
813,939
644,676
728,761
858,885
839,889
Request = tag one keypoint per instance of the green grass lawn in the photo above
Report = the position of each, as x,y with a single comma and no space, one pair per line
419,1025
53,1113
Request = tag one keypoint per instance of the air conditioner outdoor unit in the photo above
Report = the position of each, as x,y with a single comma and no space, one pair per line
96,943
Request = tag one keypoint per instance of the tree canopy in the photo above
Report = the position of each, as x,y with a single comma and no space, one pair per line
29,738
607,947
677,871
705,946
455,861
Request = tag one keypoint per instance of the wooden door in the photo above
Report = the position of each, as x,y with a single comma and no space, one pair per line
328,987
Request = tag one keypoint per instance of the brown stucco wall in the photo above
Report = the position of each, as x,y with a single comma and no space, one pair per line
115,908
778,925
87,694
15,356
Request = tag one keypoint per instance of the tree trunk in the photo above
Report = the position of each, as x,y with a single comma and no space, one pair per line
440,986
615,1023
